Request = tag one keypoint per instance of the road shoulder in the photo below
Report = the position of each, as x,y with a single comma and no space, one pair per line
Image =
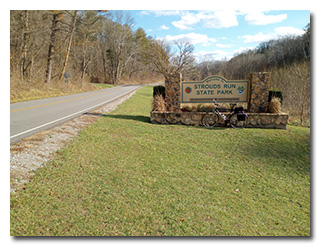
34,151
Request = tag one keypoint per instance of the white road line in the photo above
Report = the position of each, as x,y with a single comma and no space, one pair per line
70,115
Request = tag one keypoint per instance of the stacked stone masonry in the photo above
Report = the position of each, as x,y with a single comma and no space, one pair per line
259,92
256,120
172,99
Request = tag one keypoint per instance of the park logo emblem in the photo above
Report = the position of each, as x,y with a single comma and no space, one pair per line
240,89
188,90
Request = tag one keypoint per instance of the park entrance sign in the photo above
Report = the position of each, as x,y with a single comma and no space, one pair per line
215,87
254,92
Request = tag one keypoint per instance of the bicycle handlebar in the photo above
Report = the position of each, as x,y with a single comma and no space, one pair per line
214,101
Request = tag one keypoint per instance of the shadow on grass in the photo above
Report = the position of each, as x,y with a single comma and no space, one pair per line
146,119
291,152
140,118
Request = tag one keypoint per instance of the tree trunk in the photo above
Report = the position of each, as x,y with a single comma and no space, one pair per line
69,44
31,68
25,17
84,67
51,47
104,67
117,73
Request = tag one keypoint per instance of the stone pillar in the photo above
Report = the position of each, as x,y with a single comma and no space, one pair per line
172,99
259,92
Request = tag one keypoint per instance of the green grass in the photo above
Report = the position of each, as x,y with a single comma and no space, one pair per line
123,176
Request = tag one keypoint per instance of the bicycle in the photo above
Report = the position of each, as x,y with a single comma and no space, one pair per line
237,118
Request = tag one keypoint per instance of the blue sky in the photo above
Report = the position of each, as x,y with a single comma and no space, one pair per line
221,34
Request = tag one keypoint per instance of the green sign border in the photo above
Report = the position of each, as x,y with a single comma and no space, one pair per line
206,80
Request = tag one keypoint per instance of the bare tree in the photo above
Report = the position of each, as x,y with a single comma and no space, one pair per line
119,48
25,20
167,61
54,29
183,57
159,55
72,27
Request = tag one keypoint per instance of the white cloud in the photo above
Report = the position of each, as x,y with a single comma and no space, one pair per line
289,31
206,44
260,37
213,40
259,18
158,13
145,12
242,49
223,45
212,55
208,19
164,27
187,21
280,31
215,52
220,19
193,38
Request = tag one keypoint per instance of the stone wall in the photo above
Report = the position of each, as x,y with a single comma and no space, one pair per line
256,120
259,92
173,91
257,105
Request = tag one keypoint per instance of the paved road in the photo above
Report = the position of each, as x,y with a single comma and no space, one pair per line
27,118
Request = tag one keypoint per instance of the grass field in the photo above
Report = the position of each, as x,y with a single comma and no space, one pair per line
123,176
103,86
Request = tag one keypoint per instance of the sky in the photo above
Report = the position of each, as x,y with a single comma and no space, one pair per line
223,33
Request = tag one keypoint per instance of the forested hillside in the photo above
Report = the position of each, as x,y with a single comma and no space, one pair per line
94,45
288,60
277,53
106,47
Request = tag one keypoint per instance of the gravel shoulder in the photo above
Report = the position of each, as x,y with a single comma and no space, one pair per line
34,151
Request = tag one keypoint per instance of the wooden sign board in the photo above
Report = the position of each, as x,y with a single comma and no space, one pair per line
215,87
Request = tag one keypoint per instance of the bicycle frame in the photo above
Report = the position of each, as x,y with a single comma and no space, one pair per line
227,119
224,117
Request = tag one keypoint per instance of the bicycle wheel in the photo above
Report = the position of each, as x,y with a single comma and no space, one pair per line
239,121
210,119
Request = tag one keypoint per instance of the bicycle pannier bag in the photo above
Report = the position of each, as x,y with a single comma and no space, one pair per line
238,109
241,117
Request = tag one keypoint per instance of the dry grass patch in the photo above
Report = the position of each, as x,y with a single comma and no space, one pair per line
158,103
275,105
25,91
